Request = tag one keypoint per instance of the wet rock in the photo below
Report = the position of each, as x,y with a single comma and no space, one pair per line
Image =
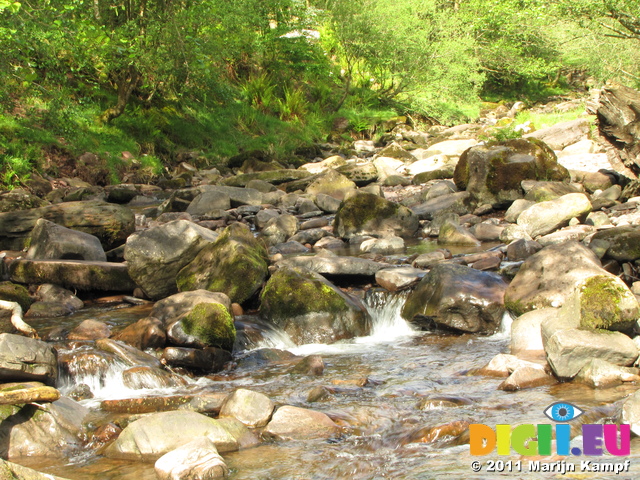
599,373
334,265
459,203
458,297
503,365
198,459
21,432
235,264
111,223
439,433
23,358
547,279
527,376
279,229
204,360
253,409
398,278
127,354
51,241
146,438
205,325
525,330
319,394
545,217
21,393
90,329
150,377
146,333
294,423
309,365
13,471
48,310
310,308
264,356
155,256
631,412
368,214
54,293
438,402
493,173
621,242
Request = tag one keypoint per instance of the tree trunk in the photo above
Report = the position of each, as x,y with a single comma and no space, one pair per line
29,395
619,124
128,80
16,319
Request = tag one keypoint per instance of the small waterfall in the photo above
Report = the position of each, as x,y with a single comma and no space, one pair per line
386,322
504,333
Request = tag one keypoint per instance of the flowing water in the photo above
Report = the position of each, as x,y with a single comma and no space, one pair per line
376,385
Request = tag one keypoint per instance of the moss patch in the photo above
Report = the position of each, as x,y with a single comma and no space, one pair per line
293,292
212,324
600,304
12,292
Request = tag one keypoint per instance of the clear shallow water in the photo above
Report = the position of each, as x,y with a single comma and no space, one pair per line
377,382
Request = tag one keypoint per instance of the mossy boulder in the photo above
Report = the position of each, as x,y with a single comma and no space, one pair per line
458,297
622,243
12,292
605,302
235,264
310,308
493,173
16,200
206,325
368,214
333,184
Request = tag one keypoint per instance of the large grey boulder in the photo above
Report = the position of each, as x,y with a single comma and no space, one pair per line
546,217
563,134
279,229
459,203
155,256
208,202
147,439
458,297
52,241
368,214
310,308
620,243
333,184
493,173
23,358
170,308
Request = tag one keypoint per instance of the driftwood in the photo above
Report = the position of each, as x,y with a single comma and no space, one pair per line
618,115
29,395
16,319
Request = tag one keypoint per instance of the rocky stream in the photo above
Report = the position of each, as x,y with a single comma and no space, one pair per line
346,319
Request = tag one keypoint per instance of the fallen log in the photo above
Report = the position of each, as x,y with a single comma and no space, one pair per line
22,396
16,319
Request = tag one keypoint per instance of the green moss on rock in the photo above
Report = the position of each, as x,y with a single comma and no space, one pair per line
602,304
212,324
11,292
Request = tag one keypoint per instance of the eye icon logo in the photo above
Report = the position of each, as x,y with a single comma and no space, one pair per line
563,412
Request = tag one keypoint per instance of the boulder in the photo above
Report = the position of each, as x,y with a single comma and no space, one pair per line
206,360
631,412
325,165
398,278
493,173
126,354
137,378
452,233
52,430
545,217
51,241
333,184
368,214
253,409
90,329
459,203
170,308
525,330
12,292
310,308
54,293
235,264
622,243
598,373
458,297
279,230
146,439
23,358
546,279
360,173
197,460
527,376
205,325
111,223
334,265
146,333
542,191
294,423
238,196
155,256
384,246
209,201
274,177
